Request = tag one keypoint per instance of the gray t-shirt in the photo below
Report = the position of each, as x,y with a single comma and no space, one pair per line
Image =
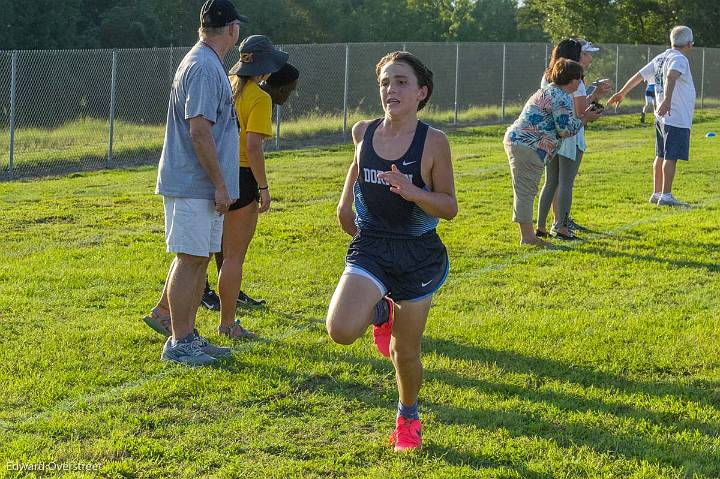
200,88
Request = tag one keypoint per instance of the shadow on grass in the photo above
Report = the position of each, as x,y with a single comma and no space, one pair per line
460,458
703,392
674,450
671,262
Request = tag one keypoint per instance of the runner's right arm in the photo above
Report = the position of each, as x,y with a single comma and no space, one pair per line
345,213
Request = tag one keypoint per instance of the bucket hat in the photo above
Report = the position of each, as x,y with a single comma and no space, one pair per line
258,56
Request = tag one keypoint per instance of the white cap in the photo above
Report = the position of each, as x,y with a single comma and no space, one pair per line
588,46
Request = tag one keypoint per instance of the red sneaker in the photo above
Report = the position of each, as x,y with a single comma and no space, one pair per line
407,435
382,333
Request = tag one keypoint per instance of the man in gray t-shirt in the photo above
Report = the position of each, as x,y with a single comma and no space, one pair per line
198,179
200,90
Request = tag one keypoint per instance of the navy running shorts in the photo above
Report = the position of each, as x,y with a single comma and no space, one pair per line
671,142
406,269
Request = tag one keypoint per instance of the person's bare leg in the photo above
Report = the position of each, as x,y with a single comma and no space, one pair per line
218,261
527,235
658,174
185,287
352,308
162,308
668,175
406,345
238,231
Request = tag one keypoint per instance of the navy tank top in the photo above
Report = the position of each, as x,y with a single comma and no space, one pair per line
379,211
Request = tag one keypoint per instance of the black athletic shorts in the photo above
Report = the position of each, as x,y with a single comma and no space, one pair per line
248,189
408,269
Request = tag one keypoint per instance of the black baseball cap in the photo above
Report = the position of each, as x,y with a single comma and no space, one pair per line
219,13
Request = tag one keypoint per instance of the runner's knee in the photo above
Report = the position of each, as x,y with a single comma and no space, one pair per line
339,333
403,352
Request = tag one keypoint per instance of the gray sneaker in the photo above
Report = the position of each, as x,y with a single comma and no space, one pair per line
671,201
186,352
654,198
210,349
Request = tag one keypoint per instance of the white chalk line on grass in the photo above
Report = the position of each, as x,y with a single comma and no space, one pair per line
112,393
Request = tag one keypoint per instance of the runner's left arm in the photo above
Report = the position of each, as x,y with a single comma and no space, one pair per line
345,212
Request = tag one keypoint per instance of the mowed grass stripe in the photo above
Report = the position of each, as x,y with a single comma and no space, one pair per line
597,360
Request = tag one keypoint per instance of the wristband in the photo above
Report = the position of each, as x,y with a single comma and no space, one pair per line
265,188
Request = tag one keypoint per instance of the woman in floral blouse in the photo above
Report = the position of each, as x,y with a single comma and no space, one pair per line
535,137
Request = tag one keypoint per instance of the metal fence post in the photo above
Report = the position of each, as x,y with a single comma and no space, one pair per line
112,108
502,100
13,111
648,57
277,127
702,83
617,65
457,75
345,91
547,47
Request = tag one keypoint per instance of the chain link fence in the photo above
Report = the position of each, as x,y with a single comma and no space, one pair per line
63,111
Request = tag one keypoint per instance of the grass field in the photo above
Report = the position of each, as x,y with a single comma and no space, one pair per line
600,359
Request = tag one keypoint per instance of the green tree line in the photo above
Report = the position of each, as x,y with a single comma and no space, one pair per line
49,24
623,21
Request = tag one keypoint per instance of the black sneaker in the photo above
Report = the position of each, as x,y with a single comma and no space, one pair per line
247,301
210,299
564,237
576,227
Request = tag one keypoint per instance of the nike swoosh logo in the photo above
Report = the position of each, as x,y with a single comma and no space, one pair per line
405,163
425,284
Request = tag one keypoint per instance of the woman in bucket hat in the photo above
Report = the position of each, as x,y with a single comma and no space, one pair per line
258,60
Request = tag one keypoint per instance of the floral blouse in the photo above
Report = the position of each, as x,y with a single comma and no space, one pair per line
547,114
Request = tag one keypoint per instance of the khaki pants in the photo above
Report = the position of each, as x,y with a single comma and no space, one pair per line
526,168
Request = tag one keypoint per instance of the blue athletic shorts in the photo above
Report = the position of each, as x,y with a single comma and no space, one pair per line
671,142
404,269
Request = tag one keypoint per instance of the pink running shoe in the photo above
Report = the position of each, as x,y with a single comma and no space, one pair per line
382,333
407,435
